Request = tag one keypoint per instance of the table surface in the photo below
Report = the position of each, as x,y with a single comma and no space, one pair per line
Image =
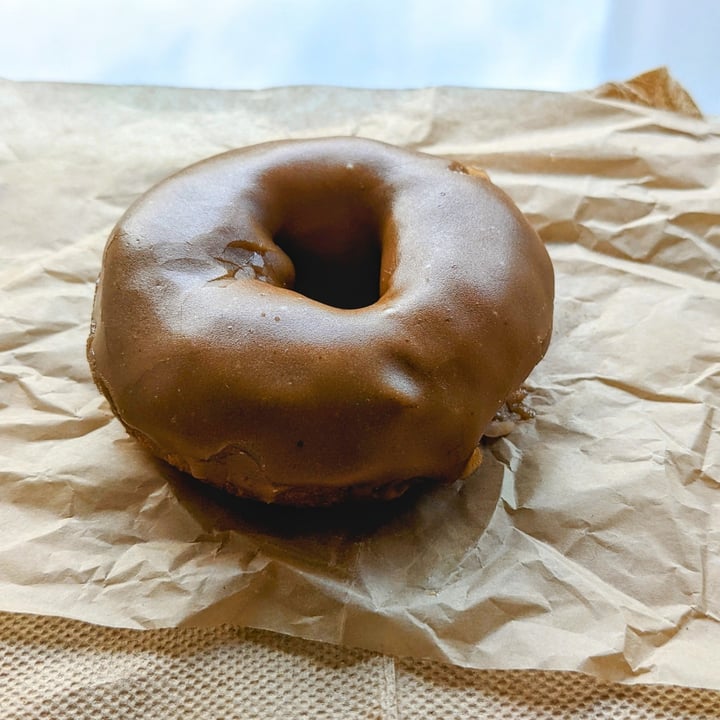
67,670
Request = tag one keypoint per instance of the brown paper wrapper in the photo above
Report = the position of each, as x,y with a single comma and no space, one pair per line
655,89
588,538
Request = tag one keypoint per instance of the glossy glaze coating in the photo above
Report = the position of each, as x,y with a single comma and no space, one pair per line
311,321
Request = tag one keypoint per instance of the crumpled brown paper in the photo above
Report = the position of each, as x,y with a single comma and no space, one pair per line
589,539
656,89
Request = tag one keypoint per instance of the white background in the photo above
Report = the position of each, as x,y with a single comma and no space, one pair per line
535,44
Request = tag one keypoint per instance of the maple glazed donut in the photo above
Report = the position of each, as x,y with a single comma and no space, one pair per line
308,322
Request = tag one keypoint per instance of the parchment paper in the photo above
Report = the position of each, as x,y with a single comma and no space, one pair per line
588,539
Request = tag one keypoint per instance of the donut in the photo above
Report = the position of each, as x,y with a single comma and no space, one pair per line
310,322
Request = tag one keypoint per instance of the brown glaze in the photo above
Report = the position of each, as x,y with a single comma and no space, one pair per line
312,321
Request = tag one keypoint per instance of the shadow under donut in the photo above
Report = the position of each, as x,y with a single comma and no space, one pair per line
426,507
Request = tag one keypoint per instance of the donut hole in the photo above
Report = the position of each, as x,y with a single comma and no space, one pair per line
334,239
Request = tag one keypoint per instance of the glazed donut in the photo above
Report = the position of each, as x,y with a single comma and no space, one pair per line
308,322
